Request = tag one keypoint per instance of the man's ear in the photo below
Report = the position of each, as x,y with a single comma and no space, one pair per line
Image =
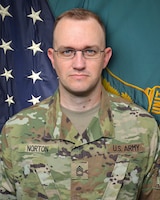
107,56
50,53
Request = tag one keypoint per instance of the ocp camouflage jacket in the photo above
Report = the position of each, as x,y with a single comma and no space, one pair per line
116,158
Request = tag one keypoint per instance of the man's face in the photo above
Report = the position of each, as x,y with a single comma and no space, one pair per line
79,75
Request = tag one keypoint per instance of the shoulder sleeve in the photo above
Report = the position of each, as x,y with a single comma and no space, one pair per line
7,190
151,184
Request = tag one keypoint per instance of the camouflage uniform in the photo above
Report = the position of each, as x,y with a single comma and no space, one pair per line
43,156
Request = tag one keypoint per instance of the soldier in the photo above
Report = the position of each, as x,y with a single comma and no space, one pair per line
82,143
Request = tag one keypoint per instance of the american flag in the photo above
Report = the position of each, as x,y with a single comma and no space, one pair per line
26,74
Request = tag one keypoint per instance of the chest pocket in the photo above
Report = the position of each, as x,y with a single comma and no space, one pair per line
116,179
45,170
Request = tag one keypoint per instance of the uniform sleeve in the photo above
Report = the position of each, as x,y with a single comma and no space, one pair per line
151,184
7,190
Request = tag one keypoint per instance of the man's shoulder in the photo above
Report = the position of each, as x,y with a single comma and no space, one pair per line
31,113
123,104
28,120
128,111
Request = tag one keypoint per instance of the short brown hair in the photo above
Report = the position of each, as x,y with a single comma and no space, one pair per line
80,14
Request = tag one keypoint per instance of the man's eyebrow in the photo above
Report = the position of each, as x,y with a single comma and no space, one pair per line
86,47
92,46
65,47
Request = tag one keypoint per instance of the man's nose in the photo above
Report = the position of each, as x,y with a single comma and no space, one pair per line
79,60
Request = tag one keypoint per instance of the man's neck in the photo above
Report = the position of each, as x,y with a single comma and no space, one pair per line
80,103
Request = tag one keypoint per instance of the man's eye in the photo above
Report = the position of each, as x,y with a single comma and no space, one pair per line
90,52
67,52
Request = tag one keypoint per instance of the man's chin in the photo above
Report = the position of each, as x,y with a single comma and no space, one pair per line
80,93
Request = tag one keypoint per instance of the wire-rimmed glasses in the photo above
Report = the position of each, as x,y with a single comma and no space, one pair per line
88,53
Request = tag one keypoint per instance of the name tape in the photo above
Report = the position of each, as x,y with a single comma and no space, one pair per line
37,148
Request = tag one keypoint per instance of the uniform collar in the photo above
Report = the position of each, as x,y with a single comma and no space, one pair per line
58,126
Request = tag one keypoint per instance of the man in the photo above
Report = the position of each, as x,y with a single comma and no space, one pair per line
82,143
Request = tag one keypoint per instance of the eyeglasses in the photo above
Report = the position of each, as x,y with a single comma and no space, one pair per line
88,53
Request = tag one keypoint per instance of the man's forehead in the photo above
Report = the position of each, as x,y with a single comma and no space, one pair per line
78,33
67,25
65,21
